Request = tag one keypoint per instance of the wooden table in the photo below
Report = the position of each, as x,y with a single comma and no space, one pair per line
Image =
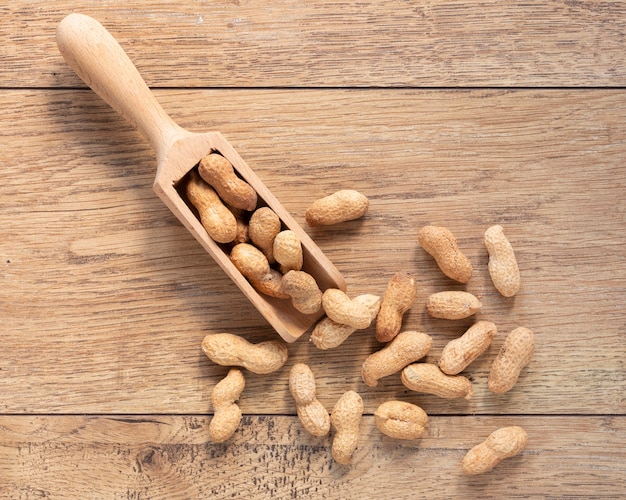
461,114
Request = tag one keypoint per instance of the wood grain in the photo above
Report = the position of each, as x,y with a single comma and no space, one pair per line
248,43
157,456
106,298
457,113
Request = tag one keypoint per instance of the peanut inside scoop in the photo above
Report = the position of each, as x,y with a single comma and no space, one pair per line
258,242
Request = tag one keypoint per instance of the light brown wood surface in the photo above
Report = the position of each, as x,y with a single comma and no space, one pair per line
454,113
272,457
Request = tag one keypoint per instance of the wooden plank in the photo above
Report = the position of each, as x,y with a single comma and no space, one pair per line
105,298
333,43
272,457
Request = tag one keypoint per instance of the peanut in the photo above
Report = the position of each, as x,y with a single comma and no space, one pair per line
287,251
217,220
502,443
428,378
502,265
227,414
341,309
312,414
397,300
253,264
306,296
400,420
406,348
227,349
441,244
250,261
452,305
328,334
514,355
344,205
263,227
346,419
459,353
271,284
219,173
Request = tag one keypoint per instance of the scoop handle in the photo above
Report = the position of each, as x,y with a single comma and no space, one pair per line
97,58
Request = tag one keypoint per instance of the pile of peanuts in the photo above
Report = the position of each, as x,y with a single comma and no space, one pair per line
270,257
265,252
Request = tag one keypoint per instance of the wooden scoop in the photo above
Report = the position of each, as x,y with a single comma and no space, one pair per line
102,64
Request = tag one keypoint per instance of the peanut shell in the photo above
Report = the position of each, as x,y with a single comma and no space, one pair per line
227,349
406,348
398,298
329,334
452,305
428,378
341,206
263,227
441,244
346,420
400,420
312,414
459,353
341,309
306,296
219,173
514,355
503,443
227,414
502,265
218,221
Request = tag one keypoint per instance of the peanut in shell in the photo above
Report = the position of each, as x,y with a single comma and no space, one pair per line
397,300
514,355
452,305
441,244
459,353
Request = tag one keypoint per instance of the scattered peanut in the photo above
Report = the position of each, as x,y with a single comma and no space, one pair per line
459,353
227,414
502,443
219,173
406,348
514,355
222,199
346,419
217,220
428,378
250,261
306,296
287,250
227,349
452,305
263,227
311,412
328,334
341,309
502,265
397,300
441,244
341,206
400,420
